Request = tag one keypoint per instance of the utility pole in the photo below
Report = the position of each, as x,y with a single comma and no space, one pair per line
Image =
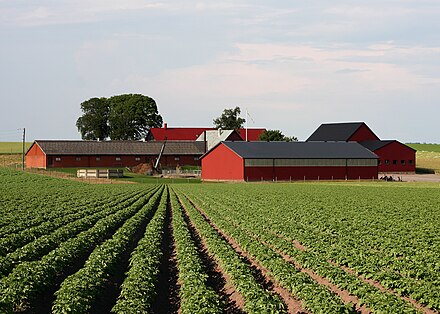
22,158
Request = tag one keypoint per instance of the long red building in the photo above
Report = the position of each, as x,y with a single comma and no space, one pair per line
273,161
111,154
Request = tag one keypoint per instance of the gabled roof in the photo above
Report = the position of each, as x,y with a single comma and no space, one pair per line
316,150
191,134
375,145
60,147
336,131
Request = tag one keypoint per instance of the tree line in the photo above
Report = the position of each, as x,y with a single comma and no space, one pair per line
130,117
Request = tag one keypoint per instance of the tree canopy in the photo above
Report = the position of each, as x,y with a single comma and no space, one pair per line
122,117
230,120
276,135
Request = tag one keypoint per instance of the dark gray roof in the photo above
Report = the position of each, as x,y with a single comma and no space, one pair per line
335,131
375,145
56,147
333,150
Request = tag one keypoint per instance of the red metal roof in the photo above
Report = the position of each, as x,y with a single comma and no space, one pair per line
253,134
175,134
191,134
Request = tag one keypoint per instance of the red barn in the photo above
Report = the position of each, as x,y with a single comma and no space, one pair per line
393,155
110,154
268,161
191,134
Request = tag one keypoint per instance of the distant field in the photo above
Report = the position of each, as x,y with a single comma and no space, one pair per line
425,147
13,147
428,157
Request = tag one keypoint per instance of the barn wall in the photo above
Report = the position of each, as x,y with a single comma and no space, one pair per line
222,164
398,152
363,134
35,158
109,161
309,173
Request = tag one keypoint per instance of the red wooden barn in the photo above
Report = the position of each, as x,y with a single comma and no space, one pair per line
255,161
393,155
191,134
109,154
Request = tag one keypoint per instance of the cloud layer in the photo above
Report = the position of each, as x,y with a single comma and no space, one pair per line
293,64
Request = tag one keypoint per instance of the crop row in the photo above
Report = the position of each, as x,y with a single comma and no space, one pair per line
371,296
359,257
138,290
195,294
78,291
44,244
256,298
14,241
315,297
51,216
29,279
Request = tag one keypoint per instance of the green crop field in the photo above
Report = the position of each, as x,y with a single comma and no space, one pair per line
346,247
13,147
426,147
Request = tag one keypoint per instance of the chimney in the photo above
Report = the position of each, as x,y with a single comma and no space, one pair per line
165,126
219,132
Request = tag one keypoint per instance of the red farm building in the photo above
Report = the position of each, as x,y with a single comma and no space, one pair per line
283,161
191,134
109,154
394,157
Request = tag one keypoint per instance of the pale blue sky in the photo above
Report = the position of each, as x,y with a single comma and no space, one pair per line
294,64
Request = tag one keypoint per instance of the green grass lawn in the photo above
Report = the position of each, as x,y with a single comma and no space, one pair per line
133,177
13,147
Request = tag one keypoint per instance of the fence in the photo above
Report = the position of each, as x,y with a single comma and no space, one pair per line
100,173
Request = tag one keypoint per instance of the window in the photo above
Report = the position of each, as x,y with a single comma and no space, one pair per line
379,162
78,158
58,159
394,162
402,162
137,158
176,158
98,158
387,161
118,158
410,161
196,158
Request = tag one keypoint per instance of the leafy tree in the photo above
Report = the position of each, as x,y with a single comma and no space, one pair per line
122,117
276,135
230,119
93,124
131,116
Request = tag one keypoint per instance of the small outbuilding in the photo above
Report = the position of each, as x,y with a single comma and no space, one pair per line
283,161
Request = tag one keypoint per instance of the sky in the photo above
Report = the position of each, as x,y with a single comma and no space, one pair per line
292,64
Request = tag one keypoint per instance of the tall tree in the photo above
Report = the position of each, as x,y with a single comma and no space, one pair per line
131,116
93,124
230,119
276,135
122,117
